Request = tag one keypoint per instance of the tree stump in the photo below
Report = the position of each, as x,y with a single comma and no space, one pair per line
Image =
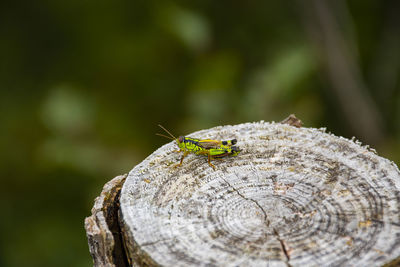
293,197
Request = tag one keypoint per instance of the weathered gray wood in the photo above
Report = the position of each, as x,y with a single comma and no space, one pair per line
102,227
293,197
293,121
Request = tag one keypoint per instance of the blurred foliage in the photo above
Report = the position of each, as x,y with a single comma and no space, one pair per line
83,85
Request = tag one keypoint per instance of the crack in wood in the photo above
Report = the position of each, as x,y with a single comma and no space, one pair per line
283,246
267,222
104,232
249,199
119,252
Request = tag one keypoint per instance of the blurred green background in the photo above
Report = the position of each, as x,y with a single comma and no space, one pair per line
83,85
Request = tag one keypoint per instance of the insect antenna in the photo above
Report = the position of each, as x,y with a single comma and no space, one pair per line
163,135
172,136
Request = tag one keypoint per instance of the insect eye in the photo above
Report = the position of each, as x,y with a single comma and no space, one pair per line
180,139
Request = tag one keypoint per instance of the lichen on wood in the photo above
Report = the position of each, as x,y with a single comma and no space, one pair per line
293,197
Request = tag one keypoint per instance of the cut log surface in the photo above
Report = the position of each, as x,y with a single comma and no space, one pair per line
292,197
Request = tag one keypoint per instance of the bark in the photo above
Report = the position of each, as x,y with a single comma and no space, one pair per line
293,197
102,227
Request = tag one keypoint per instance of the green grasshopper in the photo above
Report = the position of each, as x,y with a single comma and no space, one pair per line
214,149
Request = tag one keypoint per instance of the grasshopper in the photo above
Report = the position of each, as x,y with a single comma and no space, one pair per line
214,149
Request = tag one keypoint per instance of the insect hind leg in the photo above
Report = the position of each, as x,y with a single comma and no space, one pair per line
209,161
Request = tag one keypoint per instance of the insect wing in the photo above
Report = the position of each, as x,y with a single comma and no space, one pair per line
209,143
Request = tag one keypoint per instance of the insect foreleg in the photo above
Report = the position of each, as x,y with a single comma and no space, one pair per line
183,156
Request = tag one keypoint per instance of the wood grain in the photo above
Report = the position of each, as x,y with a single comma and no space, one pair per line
293,197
